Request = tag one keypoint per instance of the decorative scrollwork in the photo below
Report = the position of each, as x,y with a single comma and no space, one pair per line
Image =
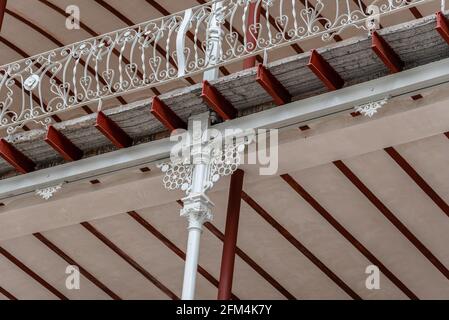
177,175
227,161
170,48
223,159
370,109
47,193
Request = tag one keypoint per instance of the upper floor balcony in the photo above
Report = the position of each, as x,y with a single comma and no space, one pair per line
146,59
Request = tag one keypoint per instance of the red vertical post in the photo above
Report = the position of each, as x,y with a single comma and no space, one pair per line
252,35
2,12
230,238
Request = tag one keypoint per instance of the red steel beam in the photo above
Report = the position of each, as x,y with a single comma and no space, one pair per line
252,35
347,172
442,26
112,131
347,235
415,12
272,86
72,262
414,175
298,245
324,71
100,236
386,53
2,11
63,145
14,157
215,100
230,239
32,274
166,115
7,294
145,224
253,264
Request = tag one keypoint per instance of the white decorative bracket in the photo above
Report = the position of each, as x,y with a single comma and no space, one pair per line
370,109
202,158
47,193
222,161
196,163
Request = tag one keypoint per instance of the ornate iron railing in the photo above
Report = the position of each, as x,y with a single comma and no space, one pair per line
170,48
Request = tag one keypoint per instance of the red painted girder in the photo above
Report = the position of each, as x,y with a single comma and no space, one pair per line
14,157
63,145
442,26
166,115
386,53
217,102
324,71
230,237
2,11
272,86
112,131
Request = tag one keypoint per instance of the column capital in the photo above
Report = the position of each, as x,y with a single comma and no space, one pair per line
197,209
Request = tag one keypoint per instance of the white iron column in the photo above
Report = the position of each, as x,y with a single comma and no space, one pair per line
202,163
197,206
191,265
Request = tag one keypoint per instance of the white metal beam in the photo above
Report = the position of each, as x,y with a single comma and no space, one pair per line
293,113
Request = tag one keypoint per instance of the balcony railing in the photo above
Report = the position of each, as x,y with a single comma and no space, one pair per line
170,48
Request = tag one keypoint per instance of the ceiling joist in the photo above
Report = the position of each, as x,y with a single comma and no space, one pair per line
166,115
442,26
100,236
347,235
301,248
62,145
14,157
112,131
324,71
386,53
347,172
72,262
215,100
272,86
32,274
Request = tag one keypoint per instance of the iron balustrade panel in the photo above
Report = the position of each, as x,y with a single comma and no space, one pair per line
171,48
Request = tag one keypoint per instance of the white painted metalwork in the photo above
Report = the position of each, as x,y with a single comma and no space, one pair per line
214,44
47,193
157,51
291,114
206,155
370,109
